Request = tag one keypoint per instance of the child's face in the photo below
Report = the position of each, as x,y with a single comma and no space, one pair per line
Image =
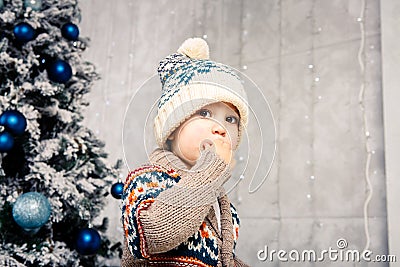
215,121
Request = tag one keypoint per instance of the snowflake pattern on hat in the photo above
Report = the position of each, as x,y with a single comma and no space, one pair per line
177,70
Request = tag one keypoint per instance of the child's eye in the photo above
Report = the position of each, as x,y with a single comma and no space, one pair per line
232,119
205,113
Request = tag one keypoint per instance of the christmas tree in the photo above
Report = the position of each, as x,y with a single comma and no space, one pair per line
53,175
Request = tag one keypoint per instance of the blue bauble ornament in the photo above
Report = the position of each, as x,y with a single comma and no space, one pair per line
6,142
34,4
1,4
70,31
88,241
59,71
14,121
31,211
24,32
117,190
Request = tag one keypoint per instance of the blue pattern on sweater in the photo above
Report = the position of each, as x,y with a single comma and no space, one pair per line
148,184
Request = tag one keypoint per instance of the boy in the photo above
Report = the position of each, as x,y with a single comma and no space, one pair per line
175,211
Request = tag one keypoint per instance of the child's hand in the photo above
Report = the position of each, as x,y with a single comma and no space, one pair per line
223,150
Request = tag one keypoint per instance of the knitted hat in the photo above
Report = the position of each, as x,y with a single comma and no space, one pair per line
191,81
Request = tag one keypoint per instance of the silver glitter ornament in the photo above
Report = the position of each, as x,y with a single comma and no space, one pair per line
31,211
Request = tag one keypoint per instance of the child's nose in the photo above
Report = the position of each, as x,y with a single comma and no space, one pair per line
218,129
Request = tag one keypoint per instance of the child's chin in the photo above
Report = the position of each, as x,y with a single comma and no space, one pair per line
189,161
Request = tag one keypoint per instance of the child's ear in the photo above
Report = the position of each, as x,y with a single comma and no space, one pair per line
171,137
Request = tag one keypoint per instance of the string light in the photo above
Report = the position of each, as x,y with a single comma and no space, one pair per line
105,84
203,22
128,84
315,79
132,44
241,45
361,61
131,50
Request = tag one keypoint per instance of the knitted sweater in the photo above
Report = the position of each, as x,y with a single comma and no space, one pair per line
168,216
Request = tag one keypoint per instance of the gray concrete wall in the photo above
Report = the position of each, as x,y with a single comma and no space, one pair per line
317,188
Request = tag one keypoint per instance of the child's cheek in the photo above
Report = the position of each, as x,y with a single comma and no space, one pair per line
200,133
193,140
192,136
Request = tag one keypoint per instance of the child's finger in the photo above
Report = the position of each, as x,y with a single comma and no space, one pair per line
205,144
223,150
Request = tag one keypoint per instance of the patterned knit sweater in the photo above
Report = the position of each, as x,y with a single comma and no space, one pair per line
168,214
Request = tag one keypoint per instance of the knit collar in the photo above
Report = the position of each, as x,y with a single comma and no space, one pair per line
167,159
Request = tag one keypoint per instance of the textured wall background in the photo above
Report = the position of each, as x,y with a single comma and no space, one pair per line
305,56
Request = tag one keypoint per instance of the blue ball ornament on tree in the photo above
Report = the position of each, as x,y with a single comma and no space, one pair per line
1,4
88,241
70,31
31,211
23,32
6,142
59,71
117,190
33,4
14,121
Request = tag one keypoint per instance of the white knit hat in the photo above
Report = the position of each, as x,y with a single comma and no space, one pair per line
191,81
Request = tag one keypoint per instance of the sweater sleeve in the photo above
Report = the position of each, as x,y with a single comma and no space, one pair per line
167,219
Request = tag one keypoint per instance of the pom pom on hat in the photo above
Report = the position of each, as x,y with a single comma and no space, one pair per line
195,48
